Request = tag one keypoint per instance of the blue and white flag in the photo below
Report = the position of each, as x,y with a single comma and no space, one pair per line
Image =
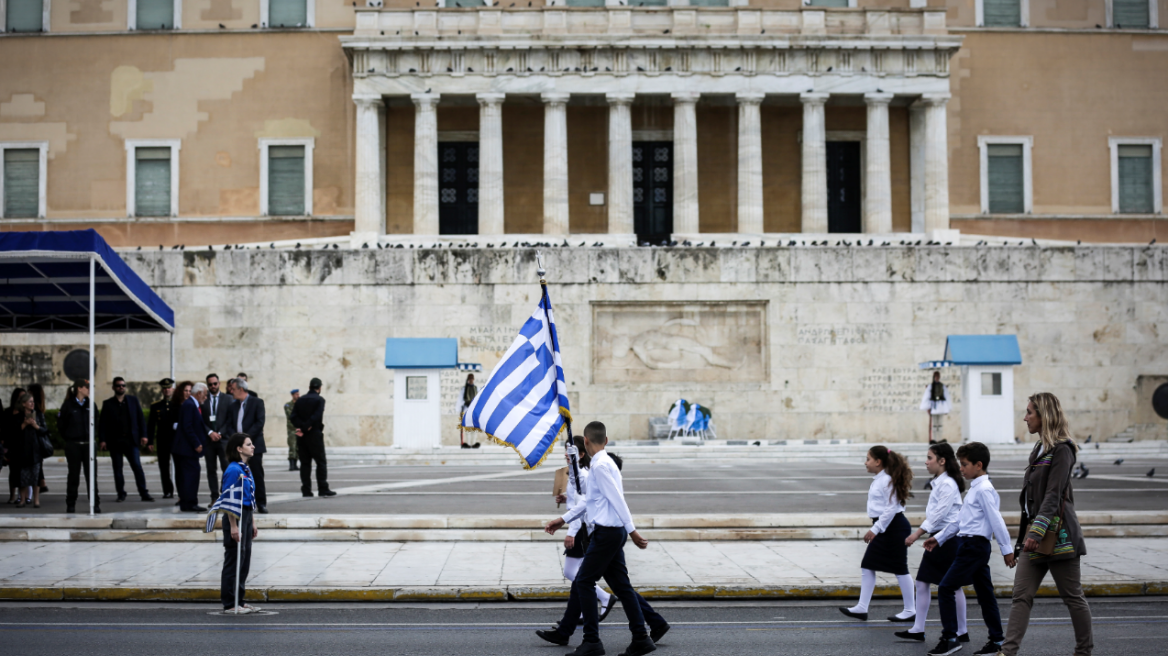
524,404
230,502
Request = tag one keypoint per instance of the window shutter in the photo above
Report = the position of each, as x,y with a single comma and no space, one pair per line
22,172
828,3
152,181
585,3
287,13
155,15
1135,179
285,180
25,16
718,3
1002,13
1006,178
1130,13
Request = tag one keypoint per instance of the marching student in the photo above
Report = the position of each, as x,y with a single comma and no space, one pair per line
942,510
978,521
887,550
576,542
612,525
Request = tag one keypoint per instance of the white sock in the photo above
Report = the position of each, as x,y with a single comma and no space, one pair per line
867,587
923,599
962,628
602,596
906,593
571,566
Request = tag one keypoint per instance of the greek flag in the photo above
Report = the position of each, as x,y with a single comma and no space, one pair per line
229,503
524,404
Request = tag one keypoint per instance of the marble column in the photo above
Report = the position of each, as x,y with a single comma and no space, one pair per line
369,210
916,164
555,163
490,163
878,166
936,162
685,163
620,164
750,163
425,163
814,196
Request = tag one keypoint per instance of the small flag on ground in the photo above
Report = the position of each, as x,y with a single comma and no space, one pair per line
230,502
524,404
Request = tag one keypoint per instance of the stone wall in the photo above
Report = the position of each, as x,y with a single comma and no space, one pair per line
804,342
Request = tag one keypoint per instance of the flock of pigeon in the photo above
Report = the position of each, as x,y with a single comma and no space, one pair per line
1081,470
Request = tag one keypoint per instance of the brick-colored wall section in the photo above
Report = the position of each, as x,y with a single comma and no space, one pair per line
523,167
717,167
898,145
399,169
587,168
781,167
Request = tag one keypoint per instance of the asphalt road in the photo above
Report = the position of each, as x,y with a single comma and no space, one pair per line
1121,626
690,487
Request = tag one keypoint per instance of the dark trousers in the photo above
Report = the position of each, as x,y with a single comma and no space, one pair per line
572,613
77,457
215,454
130,454
256,464
227,588
605,558
972,565
163,452
186,471
312,450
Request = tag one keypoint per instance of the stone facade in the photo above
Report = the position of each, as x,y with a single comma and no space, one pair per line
841,329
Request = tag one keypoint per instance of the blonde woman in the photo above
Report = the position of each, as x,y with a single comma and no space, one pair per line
1048,504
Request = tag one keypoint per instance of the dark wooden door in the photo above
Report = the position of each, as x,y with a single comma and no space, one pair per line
458,187
844,203
653,190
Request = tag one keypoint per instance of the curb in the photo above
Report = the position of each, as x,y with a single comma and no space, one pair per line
519,593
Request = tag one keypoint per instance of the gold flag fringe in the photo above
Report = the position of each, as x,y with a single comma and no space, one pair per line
565,413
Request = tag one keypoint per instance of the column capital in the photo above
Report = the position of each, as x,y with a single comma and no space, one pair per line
685,96
620,98
368,99
878,98
749,97
425,99
490,98
555,97
813,98
934,99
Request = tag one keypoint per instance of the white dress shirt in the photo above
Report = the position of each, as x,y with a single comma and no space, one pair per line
882,502
980,516
577,499
944,504
604,501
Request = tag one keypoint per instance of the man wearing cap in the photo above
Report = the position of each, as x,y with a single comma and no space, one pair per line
73,425
293,454
160,432
308,418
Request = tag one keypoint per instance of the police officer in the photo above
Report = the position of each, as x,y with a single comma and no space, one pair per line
160,432
293,452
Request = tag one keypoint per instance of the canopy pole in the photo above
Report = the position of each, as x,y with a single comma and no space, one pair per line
92,322
172,354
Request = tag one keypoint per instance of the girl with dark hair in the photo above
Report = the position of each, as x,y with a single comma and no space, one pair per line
239,529
38,399
9,424
943,509
887,551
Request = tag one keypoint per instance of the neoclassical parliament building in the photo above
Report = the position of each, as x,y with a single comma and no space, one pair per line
626,121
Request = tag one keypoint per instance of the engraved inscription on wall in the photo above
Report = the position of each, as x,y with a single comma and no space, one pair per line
679,342
900,389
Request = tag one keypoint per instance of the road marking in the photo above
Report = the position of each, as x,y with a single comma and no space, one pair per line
480,493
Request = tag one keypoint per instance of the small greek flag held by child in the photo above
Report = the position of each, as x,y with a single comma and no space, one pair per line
229,503
524,404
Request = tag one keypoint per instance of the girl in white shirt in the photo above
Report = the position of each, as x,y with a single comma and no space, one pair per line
887,551
576,542
943,509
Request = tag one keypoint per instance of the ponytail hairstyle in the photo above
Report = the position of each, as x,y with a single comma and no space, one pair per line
897,467
582,458
943,451
1054,427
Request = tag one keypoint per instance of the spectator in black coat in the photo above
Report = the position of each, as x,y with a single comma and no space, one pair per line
73,425
123,430
308,418
247,416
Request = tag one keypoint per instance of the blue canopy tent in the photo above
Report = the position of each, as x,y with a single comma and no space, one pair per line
74,282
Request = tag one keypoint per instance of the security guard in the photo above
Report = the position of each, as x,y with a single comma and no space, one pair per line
160,432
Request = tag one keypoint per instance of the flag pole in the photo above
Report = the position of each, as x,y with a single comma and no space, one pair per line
238,558
569,441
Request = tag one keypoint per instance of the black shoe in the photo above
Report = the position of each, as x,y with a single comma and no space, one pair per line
121,498
639,647
147,497
656,633
97,510
910,618
860,616
465,445
945,647
196,509
292,466
44,488
554,637
608,609
589,649
964,637
909,635
263,510
70,509
306,494
477,445
328,493
990,647
168,495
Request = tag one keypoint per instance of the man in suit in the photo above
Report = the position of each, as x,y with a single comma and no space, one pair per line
122,430
160,432
214,410
242,376
308,418
188,447
246,415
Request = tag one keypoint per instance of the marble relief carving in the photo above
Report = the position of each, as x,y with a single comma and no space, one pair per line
679,342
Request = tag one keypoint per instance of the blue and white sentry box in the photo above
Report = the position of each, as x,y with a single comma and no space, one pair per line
987,384
417,409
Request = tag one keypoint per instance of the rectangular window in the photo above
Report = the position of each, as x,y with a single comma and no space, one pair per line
991,384
710,3
828,3
585,3
154,14
286,180
152,181
1131,14
25,16
1006,182
22,173
1136,188
288,13
416,388
1002,13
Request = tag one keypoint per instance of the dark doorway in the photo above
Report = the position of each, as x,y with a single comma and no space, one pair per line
843,186
458,187
653,190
